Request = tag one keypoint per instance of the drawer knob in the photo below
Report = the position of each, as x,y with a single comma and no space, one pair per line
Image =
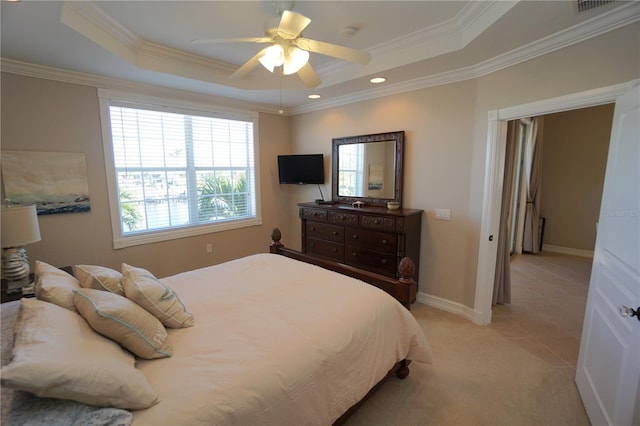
377,221
313,244
335,250
384,261
313,228
354,236
385,242
335,232
355,254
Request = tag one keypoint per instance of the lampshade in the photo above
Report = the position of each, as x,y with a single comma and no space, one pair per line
273,57
19,225
294,60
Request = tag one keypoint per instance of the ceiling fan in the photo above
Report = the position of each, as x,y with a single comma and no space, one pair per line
290,50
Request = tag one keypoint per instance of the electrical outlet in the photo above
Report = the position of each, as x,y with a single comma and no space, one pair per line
443,214
209,248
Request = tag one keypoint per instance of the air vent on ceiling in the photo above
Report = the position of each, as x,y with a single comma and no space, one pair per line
590,4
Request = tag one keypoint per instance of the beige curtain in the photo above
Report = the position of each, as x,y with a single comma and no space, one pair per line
502,282
532,163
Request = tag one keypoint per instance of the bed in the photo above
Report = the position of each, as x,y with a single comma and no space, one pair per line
275,340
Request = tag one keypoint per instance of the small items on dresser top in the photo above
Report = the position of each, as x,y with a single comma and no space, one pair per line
393,205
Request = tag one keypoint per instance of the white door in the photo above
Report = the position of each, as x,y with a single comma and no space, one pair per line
608,371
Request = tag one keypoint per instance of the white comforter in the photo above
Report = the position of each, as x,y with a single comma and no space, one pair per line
276,342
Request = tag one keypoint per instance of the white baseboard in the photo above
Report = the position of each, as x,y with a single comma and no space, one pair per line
445,305
567,250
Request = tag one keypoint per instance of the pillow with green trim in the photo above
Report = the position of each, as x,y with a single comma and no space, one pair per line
121,320
55,285
57,355
99,278
160,300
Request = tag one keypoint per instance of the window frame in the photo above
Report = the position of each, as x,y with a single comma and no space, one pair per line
120,240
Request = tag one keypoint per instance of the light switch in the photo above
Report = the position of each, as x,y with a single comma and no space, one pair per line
443,214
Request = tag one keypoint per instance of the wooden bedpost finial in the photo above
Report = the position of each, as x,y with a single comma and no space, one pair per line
407,270
276,235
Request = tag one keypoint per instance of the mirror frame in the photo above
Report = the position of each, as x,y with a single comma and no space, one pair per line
397,137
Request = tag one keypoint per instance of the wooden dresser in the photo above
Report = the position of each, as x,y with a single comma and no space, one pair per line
370,237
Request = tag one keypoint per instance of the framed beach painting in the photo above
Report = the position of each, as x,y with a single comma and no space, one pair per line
56,182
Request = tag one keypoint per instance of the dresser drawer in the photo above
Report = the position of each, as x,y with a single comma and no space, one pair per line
375,261
343,218
371,238
314,214
325,231
377,222
324,248
380,241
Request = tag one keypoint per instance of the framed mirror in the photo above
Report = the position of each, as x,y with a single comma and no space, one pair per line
368,168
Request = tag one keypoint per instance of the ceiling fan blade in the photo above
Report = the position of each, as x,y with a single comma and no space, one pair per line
292,24
248,66
233,40
309,76
333,50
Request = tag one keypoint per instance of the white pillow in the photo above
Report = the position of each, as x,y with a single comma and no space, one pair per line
146,290
99,278
57,355
121,320
55,285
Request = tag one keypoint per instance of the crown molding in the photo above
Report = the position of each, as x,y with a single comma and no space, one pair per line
609,21
598,25
477,16
88,19
101,82
92,22
445,37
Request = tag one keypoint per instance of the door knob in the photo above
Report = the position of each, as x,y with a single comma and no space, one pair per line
625,311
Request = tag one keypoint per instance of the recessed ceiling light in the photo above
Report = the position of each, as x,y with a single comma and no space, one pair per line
377,80
314,96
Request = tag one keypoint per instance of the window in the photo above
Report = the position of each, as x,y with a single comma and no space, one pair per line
177,171
351,170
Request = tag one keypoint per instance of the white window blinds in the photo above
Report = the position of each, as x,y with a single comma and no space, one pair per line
174,170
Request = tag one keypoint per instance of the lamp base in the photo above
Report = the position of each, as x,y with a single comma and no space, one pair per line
15,263
16,286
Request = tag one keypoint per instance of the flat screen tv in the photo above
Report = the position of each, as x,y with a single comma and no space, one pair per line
301,169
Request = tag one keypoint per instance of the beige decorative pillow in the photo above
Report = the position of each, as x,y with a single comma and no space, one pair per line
146,290
99,278
121,320
55,285
57,355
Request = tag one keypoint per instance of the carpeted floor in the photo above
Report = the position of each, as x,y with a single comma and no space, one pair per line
518,371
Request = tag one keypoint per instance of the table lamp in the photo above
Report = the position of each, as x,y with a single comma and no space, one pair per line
19,228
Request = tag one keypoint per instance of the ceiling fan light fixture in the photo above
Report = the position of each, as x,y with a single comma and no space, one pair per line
273,57
295,59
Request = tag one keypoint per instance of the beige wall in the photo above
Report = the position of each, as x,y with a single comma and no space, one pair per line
446,132
437,167
445,155
44,115
574,158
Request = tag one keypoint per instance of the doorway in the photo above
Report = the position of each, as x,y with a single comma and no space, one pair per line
494,179
549,289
